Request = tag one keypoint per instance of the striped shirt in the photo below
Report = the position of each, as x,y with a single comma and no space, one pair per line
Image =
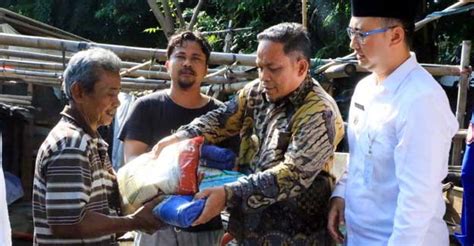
73,175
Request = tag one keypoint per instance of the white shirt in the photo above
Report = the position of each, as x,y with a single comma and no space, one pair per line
5,230
399,139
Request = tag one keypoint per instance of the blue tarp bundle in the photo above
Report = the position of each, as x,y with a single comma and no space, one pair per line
217,157
180,211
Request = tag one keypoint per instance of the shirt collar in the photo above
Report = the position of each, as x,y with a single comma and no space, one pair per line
74,115
393,81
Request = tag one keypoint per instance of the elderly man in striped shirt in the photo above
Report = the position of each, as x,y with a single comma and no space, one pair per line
74,195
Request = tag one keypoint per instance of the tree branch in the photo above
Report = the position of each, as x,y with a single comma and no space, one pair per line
179,15
160,18
195,15
168,17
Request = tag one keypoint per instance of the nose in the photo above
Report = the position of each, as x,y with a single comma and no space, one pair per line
187,62
353,44
263,74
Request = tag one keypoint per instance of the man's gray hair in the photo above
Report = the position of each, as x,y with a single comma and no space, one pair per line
85,68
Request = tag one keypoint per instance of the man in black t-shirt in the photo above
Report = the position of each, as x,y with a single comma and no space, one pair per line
161,113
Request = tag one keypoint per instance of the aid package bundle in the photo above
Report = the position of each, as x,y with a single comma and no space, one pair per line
174,171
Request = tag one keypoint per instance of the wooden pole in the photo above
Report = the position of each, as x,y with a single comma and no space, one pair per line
229,37
461,102
463,82
304,12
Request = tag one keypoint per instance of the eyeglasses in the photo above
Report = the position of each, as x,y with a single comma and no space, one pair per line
360,36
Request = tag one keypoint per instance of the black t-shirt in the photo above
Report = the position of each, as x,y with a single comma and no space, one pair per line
156,116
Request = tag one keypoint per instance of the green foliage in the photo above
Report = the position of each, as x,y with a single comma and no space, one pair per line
327,26
111,21
447,33
130,22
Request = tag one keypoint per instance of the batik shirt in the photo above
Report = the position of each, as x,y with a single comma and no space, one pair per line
287,148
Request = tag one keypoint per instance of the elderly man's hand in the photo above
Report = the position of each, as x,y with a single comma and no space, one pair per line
336,218
144,219
171,139
215,203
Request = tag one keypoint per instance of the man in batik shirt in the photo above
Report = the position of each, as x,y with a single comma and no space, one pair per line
289,128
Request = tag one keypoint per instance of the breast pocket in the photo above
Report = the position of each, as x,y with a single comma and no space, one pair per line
378,153
280,139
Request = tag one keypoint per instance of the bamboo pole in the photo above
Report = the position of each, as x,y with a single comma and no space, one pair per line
124,52
57,72
304,12
422,23
461,102
55,58
128,71
17,101
31,55
340,71
127,84
433,69
151,74
463,82
159,77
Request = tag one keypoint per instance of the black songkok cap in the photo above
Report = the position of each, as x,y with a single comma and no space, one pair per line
400,9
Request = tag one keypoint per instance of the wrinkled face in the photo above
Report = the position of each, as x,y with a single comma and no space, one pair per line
187,65
101,104
279,74
375,50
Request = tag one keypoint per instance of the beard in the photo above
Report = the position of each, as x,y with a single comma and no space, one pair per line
185,84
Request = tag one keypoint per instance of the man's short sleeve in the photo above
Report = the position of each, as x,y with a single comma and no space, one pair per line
68,186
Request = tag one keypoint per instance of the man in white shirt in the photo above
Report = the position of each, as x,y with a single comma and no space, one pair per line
400,128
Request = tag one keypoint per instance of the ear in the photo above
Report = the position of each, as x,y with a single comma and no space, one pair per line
77,92
167,64
398,36
303,67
